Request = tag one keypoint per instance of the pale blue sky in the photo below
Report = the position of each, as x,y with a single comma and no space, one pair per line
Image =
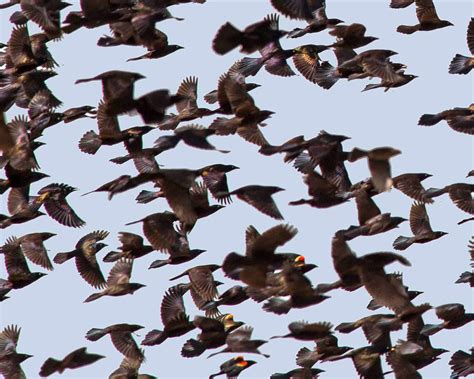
54,322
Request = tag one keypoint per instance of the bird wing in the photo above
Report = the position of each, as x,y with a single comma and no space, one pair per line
266,243
120,273
188,90
202,281
33,248
426,11
419,220
172,305
90,271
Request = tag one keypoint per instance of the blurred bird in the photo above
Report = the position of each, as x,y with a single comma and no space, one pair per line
304,331
252,38
10,360
457,119
32,246
85,256
350,36
379,165
462,364
427,17
215,179
299,373
316,23
77,358
461,64
239,341
259,197
132,248
454,316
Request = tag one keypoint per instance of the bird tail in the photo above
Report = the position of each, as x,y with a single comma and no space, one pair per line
145,197
369,87
95,334
298,202
326,287
373,305
296,32
121,160
113,256
158,263
63,257
346,327
352,232
49,367
249,66
466,220
227,38
326,75
465,277
154,337
192,348
93,297
434,192
429,119
90,142
402,243
212,376
460,65
303,358
430,329
406,29
4,185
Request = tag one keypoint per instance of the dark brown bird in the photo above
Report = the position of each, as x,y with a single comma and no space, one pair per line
420,227
459,193
85,256
186,106
239,341
462,364
350,36
307,61
173,316
454,316
251,39
301,292
46,14
247,115
402,368
117,87
427,17
379,165
318,22
366,361
371,220
454,117
152,106
77,358
193,135
324,193
259,197
215,179
110,133
54,199
233,296
10,360
213,334
325,348
129,369
299,373
410,185
203,287
461,64
399,80
32,246
233,367
298,9
21,206
19,275
132,248
260,256
304,331
118,281
121,336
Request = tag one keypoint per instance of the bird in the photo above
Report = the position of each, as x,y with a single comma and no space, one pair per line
54,199
117,88
379,165
302,372
259,197
316,23
461,64
132,247
239,341
299,9
252,38
173,316
118,281
260,256
350,36
121,336
77,358
19,274
459,193
427,17
233,367
462,363
215,179
32,246
454,316
10,360
85,256
305,331
420,227
454,118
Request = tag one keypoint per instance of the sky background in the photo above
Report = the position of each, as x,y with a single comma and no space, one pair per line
51,312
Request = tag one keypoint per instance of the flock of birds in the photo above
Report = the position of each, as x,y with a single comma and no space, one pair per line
273,278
